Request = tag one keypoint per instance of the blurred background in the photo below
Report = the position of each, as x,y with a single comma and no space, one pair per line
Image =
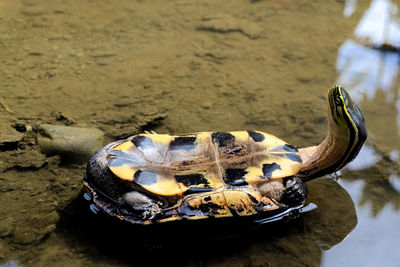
186,66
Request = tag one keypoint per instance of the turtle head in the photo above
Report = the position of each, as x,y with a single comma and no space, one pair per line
346,121
346,134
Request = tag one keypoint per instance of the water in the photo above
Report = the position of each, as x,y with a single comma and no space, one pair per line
183,66
372,74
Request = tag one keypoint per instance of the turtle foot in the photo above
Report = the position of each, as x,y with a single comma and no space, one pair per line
137,203
295,192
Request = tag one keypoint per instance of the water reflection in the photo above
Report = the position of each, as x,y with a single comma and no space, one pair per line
380,185
366,70
379,25
349,8
368,65
371,62
367,158
382,176
373,242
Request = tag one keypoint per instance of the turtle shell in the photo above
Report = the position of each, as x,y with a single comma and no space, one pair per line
180,165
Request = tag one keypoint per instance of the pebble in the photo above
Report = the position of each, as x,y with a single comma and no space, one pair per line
75,143
64,118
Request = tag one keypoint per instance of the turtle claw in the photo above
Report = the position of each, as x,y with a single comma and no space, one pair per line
151,132
139,204
151,213
145,215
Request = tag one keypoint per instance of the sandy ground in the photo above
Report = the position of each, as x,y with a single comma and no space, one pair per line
129,66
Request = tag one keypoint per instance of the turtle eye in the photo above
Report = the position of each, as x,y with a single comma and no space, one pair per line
338,101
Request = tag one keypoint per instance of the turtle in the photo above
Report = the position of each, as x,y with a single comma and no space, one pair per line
154,178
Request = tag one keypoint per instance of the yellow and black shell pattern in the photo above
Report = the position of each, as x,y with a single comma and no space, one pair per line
170,165
216,170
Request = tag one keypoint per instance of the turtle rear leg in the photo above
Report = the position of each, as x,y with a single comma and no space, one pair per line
139,202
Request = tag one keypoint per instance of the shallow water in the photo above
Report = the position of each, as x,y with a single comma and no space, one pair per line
184,66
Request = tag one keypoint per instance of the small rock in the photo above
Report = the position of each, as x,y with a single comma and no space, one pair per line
72,142
64,118
206,105
22,127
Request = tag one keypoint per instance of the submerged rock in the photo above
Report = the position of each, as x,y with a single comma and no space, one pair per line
72,142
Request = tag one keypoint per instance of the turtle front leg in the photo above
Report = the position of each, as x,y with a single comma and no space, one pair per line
141,203
273,189
289,191
295,192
